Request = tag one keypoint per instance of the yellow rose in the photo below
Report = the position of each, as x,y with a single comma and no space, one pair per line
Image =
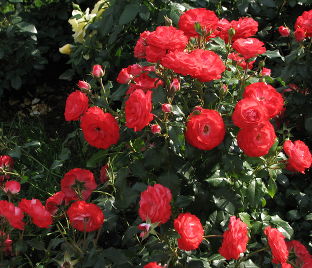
66,49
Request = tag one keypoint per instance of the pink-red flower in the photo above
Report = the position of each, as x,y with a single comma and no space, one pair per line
166,107
155,204
78,183
155,129
300,34
140,47
138,110
54,201
267,96
85,216
76,105
206,18
304,22
241,61
299,156
244,28
14,215
284,31
277,244
152,265
249,47
84,85
205,129
190,230
303,257
256,141
234,239
100,129
38,213
6,164
12,187
97,71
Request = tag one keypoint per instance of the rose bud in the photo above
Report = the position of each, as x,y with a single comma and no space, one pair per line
155,129
103,174
66,49
12,187
97,71
175,85
266,72
284,31
84,85
166,107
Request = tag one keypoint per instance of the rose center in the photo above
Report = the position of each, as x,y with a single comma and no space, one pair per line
252,115
206,129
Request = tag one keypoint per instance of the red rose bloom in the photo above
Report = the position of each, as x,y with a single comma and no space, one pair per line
256,141
138,110
277,244
241,61
249,47
300,34
303,257
54,201
140,47
12,187
85,216
286,265
100,129
6,163
222,29
144,82
304,22
234,239
284,31
267,96
190,230
78,176
14,215
38,213
299,155
244,27
155,204
205,130
206,18
76,105
202,64
152,265
249,113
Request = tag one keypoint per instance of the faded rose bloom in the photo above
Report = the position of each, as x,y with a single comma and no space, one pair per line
12,187
284,31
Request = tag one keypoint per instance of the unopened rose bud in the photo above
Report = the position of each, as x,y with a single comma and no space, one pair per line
97,71
300,35
66,49
284,31
124,77
266,72
12,187
175,85
155,129
166,107
84,85
231,32
103,174
168,21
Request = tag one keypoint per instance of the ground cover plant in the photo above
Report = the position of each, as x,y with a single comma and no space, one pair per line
180,165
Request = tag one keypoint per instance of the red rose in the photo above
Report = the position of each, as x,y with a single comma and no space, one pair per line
234,239
14,215
222,29
256,141
103,174
206,18
202,64
304,22
175,85
241,61
162,40
100,129
144,82
205,130
277,244
155,129
38,213
78,179
190,230
284,31
166,107
155,204
303,256
6,163
152,265
300,34
138,110
249,113
244,27
97,71
76,105
54,201
12,187
286,265
140,47
85,216
299,155
249,47
266,71
267,96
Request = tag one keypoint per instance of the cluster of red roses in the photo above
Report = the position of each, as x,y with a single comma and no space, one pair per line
303,27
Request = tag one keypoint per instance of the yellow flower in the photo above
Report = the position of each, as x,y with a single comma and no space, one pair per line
66,49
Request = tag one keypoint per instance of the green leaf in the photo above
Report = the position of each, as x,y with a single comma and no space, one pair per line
16,152
177,140
272,187
129,13
16,82
36,243
27,27
96,158
32,144
119,93
283,226
245,217
308,124
249,264
273,54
